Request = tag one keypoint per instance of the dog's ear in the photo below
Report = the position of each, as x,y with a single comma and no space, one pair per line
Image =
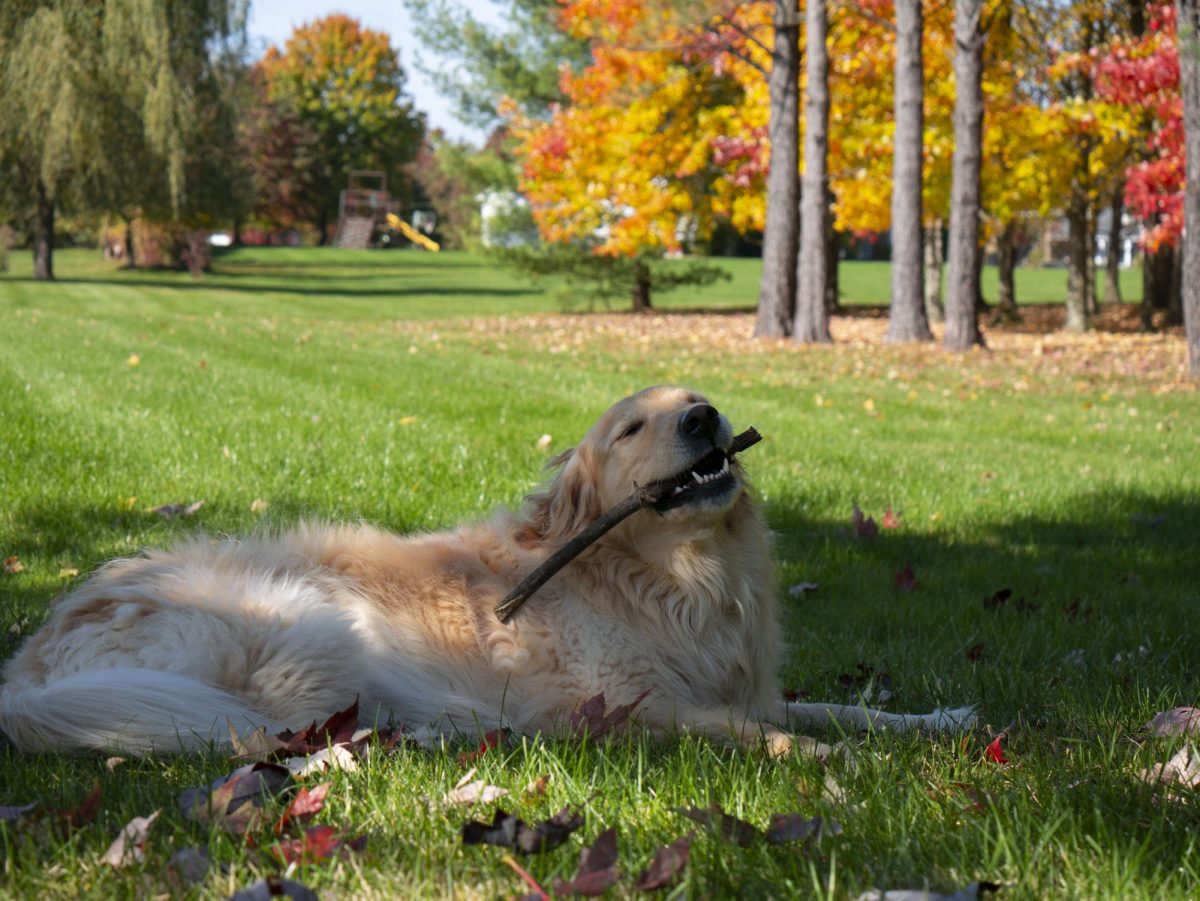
569,503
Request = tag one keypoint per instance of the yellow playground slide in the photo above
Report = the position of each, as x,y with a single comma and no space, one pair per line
412,234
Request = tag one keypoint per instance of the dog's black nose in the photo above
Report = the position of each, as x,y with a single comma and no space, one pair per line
700,421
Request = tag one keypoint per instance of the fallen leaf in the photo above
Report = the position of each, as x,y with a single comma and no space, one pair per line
406,420
591,719
906,579
537,787
12,814
997,600
190,865
863,527
275,887
134,359
170,511
130,846
256,745
539,893
490,741
544,442
75,817
726,825
668,862
508,831
234,802
335,757
798,590
316,843
258,505
975,652
13,565
891,520
793,827
994,752
1182,769
597,868
338,729
68,572
307,804
468,792
1176,721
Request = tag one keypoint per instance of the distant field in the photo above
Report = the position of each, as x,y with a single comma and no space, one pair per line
431,285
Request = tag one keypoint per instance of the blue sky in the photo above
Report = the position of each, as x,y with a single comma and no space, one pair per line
271,21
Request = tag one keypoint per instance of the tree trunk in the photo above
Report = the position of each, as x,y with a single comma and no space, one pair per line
1077,267
934,311
1006,248
962,289
781,232
43,235
1175,293
1112,264
906,319
1093,304
812,320
833,297
641,287
130,260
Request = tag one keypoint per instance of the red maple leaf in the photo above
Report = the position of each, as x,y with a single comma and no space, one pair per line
994,752
491,740
306,804
890,519
906,579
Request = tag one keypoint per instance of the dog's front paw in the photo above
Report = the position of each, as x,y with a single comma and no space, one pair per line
952,719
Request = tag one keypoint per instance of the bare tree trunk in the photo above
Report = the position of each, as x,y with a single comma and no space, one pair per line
1112,264
906,318
833,297
1078,263
130,261
1006,251
641,287
934,311
812,320
962,288
43,235
1175,294
1093,305
781,232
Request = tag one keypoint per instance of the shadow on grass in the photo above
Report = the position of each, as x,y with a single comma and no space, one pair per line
215,284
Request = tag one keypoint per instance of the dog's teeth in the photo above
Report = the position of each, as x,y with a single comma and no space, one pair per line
679,489
725,465
697,477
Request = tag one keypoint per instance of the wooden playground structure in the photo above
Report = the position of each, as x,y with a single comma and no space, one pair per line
365,210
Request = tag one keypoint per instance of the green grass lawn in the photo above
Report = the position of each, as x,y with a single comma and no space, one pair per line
299,377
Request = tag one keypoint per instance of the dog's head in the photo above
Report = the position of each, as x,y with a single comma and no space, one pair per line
661,433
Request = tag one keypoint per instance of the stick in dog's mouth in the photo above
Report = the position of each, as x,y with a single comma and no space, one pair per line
709,471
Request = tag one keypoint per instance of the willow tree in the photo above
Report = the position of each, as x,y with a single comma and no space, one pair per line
102,104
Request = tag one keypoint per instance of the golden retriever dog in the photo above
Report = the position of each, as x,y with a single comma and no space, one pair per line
158,652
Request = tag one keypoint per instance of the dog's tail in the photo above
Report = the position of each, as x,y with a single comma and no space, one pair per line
131,710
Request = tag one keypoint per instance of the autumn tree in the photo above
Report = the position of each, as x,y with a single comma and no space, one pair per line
345,85
962,322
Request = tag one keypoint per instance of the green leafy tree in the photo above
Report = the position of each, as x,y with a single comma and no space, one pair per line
345,84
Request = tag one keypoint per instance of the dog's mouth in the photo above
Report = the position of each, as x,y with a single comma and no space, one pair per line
708,479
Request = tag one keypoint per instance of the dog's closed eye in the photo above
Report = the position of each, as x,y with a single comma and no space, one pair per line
632,429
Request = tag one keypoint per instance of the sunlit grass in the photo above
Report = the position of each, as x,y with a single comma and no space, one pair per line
296,378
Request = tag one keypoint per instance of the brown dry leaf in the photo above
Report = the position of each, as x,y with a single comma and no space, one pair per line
234,802
1176,721
13,565
275,887
467,792
258,505
793,827
591,718
597,868
335,757
1182,769
862,527
170,511
726,825
75,817
113,762
190,865
256,745
537,787
130,846
668,863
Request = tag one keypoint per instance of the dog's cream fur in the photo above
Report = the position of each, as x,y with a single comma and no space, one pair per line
157,652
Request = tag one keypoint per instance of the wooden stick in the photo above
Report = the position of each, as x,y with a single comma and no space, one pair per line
648,496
